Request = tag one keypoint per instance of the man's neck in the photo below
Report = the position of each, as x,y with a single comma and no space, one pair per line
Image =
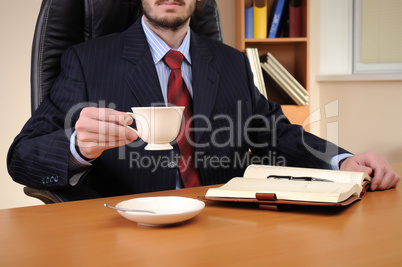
172,38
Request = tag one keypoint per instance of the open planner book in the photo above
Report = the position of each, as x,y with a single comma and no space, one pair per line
288,185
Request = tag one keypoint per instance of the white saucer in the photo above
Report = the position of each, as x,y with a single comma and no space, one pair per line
168,210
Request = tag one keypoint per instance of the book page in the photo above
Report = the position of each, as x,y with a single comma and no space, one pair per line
286,189
263,171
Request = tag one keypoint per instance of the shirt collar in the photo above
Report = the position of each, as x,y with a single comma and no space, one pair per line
159,48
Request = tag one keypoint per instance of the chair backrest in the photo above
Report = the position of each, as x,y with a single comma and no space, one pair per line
62,23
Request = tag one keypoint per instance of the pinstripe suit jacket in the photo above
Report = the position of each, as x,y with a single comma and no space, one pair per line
117,71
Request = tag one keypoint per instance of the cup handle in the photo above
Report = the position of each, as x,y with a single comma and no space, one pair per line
131,128
134,130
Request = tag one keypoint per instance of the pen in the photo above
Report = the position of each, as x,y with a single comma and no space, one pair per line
301,178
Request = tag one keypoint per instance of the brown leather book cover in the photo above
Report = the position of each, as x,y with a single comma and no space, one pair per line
269,201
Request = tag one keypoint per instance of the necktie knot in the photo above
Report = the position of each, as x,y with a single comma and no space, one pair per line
173,59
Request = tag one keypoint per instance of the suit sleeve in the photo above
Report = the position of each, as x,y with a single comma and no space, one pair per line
39,156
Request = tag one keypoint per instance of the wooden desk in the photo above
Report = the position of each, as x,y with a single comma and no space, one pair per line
84,233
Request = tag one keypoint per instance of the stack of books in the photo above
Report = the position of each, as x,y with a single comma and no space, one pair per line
279,77
273,18
254,58
282,86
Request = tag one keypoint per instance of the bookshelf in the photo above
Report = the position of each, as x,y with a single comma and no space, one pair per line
293,54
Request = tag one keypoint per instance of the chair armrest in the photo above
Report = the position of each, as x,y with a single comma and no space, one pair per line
79,192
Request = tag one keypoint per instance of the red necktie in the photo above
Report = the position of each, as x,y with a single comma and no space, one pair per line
178,95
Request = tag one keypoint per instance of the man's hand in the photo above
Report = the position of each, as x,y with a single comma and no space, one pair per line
384,176
99,129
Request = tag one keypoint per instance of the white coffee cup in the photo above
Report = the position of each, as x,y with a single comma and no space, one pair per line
158,126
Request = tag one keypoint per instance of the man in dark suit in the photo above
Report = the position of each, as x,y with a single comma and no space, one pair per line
80,134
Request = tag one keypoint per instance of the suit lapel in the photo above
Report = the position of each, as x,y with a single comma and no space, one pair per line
142,77
205,84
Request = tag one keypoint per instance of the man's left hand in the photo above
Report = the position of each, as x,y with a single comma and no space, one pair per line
373,164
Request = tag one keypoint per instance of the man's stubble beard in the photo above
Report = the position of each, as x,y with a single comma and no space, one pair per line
166,23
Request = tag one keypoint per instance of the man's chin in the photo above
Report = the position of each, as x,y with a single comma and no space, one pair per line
169,22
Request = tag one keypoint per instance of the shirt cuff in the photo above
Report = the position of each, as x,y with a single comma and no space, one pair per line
77,165
338,158
75,158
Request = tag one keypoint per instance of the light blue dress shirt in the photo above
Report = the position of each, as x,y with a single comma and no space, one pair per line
159,49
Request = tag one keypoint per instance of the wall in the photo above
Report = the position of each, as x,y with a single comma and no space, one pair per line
369,117
17,22
227,11
369,112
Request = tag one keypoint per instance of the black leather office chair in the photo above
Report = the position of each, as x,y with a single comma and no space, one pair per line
62,23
